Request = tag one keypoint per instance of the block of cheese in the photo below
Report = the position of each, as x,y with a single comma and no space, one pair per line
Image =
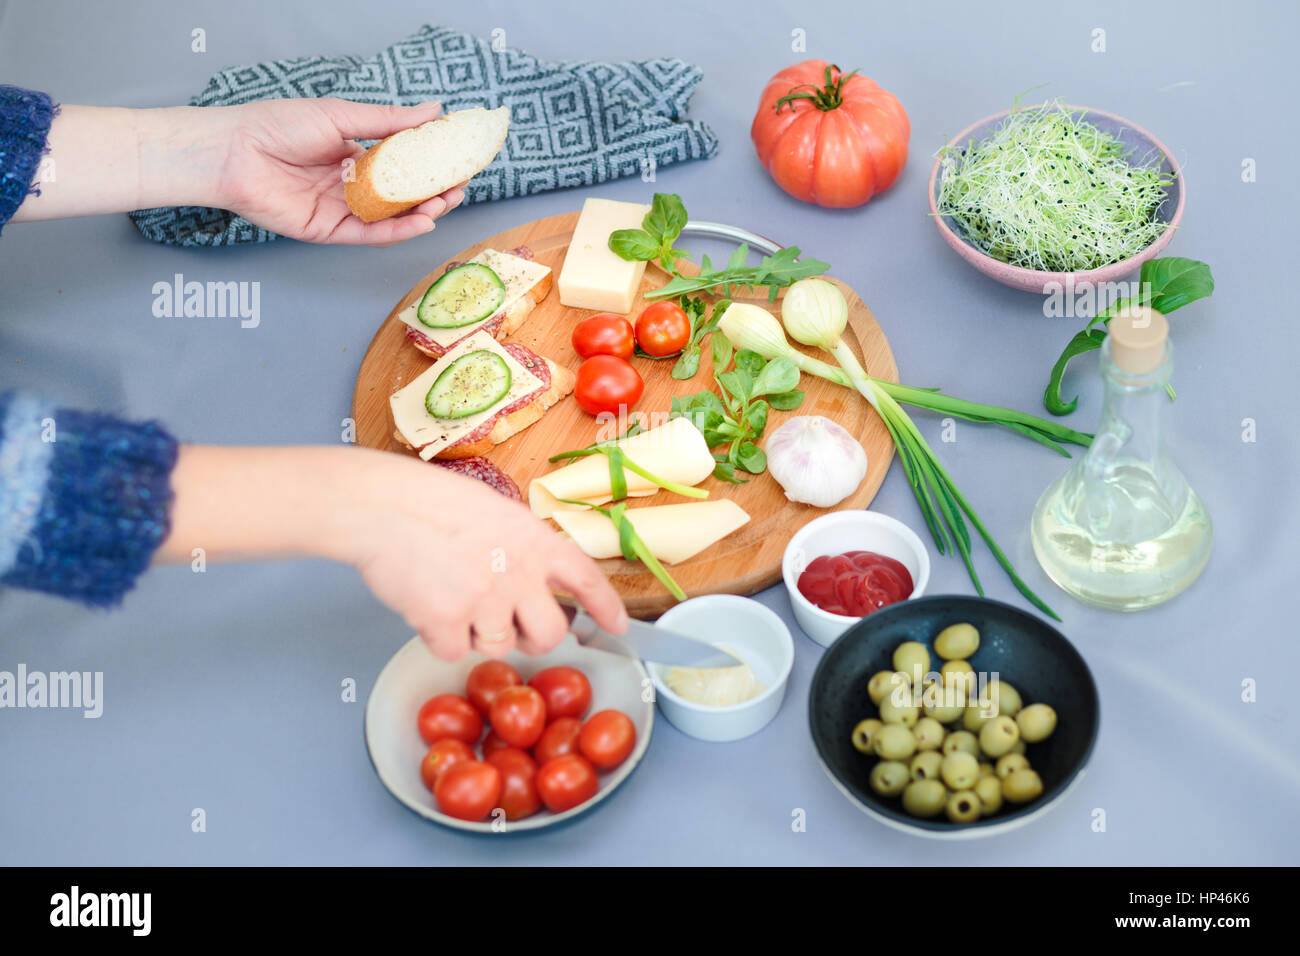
673,533
593,277
675,451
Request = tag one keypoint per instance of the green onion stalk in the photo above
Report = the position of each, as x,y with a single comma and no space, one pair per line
816,314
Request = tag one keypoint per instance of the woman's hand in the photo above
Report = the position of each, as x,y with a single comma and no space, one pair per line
464,566
279,163
288,160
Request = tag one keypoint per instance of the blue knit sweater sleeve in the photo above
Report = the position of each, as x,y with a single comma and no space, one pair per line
25,118
84,499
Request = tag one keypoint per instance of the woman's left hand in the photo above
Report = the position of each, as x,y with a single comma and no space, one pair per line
287,162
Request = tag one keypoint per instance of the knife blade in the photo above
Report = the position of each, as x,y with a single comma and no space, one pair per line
647,642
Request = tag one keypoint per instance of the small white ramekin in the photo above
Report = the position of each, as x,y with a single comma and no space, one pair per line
755,633
836,533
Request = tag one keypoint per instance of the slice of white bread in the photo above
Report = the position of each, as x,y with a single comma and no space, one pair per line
562,383
419,163
515,316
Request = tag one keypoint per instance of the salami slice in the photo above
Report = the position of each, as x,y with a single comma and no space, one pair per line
483,470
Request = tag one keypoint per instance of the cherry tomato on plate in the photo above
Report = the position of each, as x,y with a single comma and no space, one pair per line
519,716
519,797
492,742
566,690
468,790
604,334
449,715
607,383
442,755
566,781
607,738
663,329
488,679
559,738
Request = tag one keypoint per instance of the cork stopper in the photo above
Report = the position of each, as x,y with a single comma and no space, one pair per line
1137,339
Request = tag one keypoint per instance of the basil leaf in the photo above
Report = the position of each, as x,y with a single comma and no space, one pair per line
1088,340
778,375
666,218
786,401
752,458
634,245
1174,282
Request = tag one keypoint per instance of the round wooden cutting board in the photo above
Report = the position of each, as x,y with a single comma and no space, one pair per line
746,561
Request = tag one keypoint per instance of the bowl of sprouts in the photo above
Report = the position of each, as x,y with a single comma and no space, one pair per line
1040,197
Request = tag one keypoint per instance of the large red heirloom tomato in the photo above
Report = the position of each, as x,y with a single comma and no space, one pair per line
830,138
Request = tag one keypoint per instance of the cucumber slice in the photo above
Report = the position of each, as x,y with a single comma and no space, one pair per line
473,383
464,295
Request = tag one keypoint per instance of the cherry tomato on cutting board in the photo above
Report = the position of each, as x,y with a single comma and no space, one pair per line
487,680
663,329
607,384
449,715
468,790
604,334
566,781
519,797
559,738
607,738
519,716
566,690
441,756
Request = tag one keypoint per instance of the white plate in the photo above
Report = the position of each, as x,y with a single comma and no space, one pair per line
413,675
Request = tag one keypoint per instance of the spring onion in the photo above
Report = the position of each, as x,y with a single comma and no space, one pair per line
816,314
630,543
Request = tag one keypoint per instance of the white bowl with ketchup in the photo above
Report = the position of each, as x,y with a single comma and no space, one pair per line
856,563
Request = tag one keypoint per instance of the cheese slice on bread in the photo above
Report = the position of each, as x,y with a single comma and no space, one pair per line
526,283
535,384
416,164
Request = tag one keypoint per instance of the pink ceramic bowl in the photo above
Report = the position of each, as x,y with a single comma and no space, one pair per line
1135,138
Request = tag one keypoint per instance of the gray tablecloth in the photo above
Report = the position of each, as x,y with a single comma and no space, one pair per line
222,690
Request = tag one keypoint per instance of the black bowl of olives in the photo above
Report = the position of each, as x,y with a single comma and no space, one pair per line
953,716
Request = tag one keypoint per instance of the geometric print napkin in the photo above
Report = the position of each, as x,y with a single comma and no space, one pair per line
572,123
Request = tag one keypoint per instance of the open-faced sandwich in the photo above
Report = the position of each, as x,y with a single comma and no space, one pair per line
475,397
493,292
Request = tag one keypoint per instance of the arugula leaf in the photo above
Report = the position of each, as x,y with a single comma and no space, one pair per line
1164,284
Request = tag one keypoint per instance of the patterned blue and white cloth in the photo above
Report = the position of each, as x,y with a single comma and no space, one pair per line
572,123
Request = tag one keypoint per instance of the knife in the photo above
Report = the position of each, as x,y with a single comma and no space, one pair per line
647,642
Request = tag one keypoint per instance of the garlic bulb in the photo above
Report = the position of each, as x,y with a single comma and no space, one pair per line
815,460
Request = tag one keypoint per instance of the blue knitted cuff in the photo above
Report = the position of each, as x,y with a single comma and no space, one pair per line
25,118
104,488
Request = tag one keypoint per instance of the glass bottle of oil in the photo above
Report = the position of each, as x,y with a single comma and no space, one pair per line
1122,529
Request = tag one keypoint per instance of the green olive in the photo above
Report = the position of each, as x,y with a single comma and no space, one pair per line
864,733
894,742
987,770
974,717
929,734
1019,746
884,682
937,702
1022,786
989,790
961,741
998,736
927,765
1005,696
960,675
912,658
892,712
1010,763
1037,721
960,770
963,807
889,777
924,798
956,641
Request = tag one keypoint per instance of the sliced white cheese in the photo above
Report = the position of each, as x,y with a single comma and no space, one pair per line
593,277
518,275
675,452
673,533
431,435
